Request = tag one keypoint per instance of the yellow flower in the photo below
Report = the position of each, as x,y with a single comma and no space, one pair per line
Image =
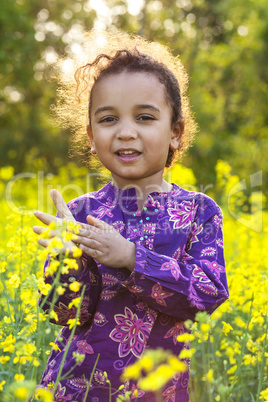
52,268
187,353
42,254
75,286
71,263
8,320
204,328
54,346
8,344
185,337
52,225
56,243
67,236
3,265
42,286
76,251
4,359
75,302
264,394
146,363
19,377
60,290
13,282
239,322
35,362
29,348
71,323
226,328
30,318
21,393
2,385
73,227
209,376
131,372
46,234
177,364
44,394
54,315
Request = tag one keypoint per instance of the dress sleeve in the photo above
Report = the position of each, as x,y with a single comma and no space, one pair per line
196,281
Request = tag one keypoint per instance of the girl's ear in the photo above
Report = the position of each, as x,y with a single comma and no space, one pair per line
90,136
177,131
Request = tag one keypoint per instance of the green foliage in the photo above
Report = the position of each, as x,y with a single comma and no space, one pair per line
222,44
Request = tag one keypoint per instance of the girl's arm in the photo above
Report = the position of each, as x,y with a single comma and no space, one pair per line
196,282
180,288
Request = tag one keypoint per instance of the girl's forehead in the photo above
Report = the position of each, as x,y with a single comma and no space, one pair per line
130,85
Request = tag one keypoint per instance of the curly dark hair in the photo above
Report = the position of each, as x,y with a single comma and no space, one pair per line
112,54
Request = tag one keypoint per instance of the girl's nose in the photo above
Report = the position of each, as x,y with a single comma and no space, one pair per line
126,131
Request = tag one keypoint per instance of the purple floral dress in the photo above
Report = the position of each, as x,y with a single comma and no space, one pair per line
179,271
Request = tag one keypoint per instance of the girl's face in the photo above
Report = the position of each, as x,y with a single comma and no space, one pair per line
131,128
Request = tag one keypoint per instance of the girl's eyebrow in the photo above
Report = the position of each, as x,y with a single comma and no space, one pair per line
151,107
104,109
111,108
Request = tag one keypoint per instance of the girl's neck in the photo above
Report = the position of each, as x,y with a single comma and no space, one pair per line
144,187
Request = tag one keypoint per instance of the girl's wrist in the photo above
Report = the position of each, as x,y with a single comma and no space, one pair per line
131,256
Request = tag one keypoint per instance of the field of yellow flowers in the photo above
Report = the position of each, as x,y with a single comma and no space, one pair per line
229,349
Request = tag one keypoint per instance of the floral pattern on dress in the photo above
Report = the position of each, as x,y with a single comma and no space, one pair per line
159,294
83,348
169,394
208,251
173,267
60,394
173,332
131,332
65,313
182,214
100,319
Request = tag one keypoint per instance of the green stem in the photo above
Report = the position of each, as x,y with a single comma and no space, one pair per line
239,363
69,342
69,372
110,391
55,282
261,375
90,380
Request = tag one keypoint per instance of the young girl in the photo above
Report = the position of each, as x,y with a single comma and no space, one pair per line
152,251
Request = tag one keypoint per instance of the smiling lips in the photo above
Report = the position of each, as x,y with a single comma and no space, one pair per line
127,155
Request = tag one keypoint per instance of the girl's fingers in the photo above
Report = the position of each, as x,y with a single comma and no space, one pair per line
46,218
41,229
43,242
63,210
85,241
90,251
98,223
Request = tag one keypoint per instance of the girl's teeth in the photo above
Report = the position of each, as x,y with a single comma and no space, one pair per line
126,152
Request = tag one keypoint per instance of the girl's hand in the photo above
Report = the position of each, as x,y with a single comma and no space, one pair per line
98,239
64,213
102,242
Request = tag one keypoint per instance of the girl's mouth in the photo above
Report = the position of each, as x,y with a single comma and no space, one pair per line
127,155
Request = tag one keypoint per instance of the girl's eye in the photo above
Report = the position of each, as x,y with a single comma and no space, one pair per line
146,117
107,119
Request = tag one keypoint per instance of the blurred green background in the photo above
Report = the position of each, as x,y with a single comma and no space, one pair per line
223,45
